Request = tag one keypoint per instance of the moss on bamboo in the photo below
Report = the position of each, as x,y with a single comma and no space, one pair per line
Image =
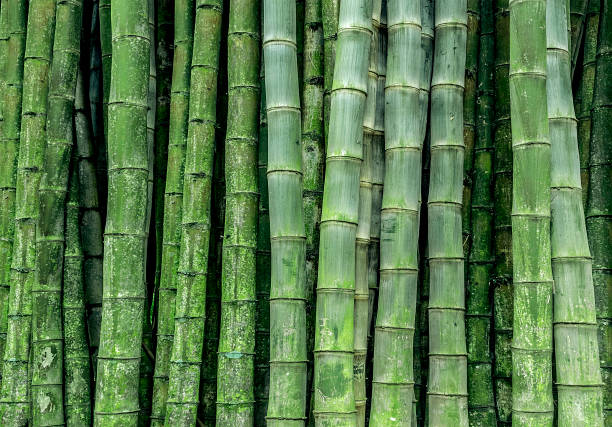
117,400
238,301
77,363
599,204
15,396
184,12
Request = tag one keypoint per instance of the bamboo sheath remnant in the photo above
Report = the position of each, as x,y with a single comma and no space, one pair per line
578,378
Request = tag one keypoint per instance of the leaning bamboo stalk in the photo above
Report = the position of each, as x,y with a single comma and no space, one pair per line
393,377
16,397
577,12
481,402
47,331
235,372
125,233
11,75
532,401
578,378
77,363
334,391
447,383
184,12
330,10
599,203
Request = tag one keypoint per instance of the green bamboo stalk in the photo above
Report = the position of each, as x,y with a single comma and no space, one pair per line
15,396
185,363
125,233
599,204
469,119
77,365
447,382
577,11
393,377
532,401
585,93
47,331
481,403
313,157
288,356
578,378
235,370
263,264
10,92
90,218
106,52
330,10
502,195
334,335
420,343
184,12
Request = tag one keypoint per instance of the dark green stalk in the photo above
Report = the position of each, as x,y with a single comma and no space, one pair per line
578,377
578,10
447,382
117,399
334,335
106,51
77,364
313,155
481,402
90,218
585,94
532,399
329,18
235,372
185,363
47,331
184,12
15,397
599,203
393,372
469,119
11,76
502,200
288,355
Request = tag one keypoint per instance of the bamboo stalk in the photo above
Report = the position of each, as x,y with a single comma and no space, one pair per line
532,401
15,401
481,402
577,11
117,400
330,10
599,203
184,12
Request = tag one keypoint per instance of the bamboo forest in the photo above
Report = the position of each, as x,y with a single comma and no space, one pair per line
306,213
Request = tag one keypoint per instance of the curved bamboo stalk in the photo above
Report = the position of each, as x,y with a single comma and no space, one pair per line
481,402
447,383
334,335
77,363
393,377
125,233
235,380
47,331
15,401
183,390
184,12
532,400
578,376
599,203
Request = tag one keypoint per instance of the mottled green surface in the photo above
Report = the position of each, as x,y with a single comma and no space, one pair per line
47,336
393,378
77,365
117,397
599,203
334,400
532,400
447,382
481,404
184,13
15,396
235,371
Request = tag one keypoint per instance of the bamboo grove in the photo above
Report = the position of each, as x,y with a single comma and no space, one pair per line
305,213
